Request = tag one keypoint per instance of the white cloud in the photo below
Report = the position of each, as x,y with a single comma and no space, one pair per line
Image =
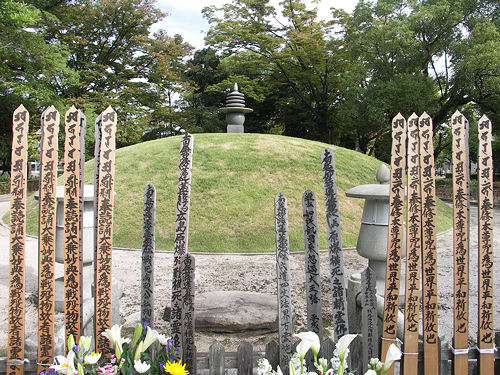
185,17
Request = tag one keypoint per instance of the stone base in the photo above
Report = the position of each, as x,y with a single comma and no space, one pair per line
235,129
234,312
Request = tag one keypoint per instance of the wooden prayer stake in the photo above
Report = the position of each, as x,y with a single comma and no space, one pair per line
285,323
18,177
485,335
181,236
429,255
311,252
460,245
104,246
72,264
148,255
47,237
413,250
395,237
336,257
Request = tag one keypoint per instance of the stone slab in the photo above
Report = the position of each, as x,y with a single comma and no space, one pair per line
235,311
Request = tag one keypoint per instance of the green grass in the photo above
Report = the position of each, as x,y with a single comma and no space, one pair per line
235,178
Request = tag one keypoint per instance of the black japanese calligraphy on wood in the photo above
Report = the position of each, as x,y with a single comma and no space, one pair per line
148,253
47,236
429,253
187,286
369,327
18,177
395,236
83,129
485,334
104,245
337,282
72,263
97,149
413,250
460,243
311,251
285,324
181,235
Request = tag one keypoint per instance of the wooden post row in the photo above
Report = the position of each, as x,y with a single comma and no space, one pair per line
485,334
18,177
47,237
104,240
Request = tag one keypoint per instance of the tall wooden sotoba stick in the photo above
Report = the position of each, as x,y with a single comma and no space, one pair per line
336,257
104,245
181,236
18,177
413,251
395,237
47,237
485,334
429,255
460,245
72,258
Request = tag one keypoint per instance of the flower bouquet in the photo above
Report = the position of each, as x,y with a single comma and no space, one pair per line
337,365
148,352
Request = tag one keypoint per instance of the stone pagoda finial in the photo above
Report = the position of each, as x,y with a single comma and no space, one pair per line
235,111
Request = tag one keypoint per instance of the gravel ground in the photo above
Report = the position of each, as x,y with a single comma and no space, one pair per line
242,272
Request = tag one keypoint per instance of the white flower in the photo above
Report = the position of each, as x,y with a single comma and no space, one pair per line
343,344
65,365
151,337
264,367
309,340
92,358
141,367
163,339
371,372
279,372
393,354
114,334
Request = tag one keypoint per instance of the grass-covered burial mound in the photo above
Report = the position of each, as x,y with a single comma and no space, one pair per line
234,180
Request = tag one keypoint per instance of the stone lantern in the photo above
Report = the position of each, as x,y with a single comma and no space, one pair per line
235,111
372,239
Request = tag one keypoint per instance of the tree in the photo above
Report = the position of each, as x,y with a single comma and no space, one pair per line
434,56
31,68
302,51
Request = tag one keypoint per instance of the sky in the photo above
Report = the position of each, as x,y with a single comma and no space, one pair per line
185,17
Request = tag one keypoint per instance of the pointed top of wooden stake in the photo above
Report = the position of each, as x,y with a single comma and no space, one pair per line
21,108
399,116
484,118
457,113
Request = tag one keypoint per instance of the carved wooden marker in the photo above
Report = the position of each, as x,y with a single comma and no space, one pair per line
104,245
18,177
187,286
429,254
148,253
83,128
313,278
485,335
97,151
460,244
336,257
395,237
283,279
181,236
369,318
47,237
72,263
413,250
